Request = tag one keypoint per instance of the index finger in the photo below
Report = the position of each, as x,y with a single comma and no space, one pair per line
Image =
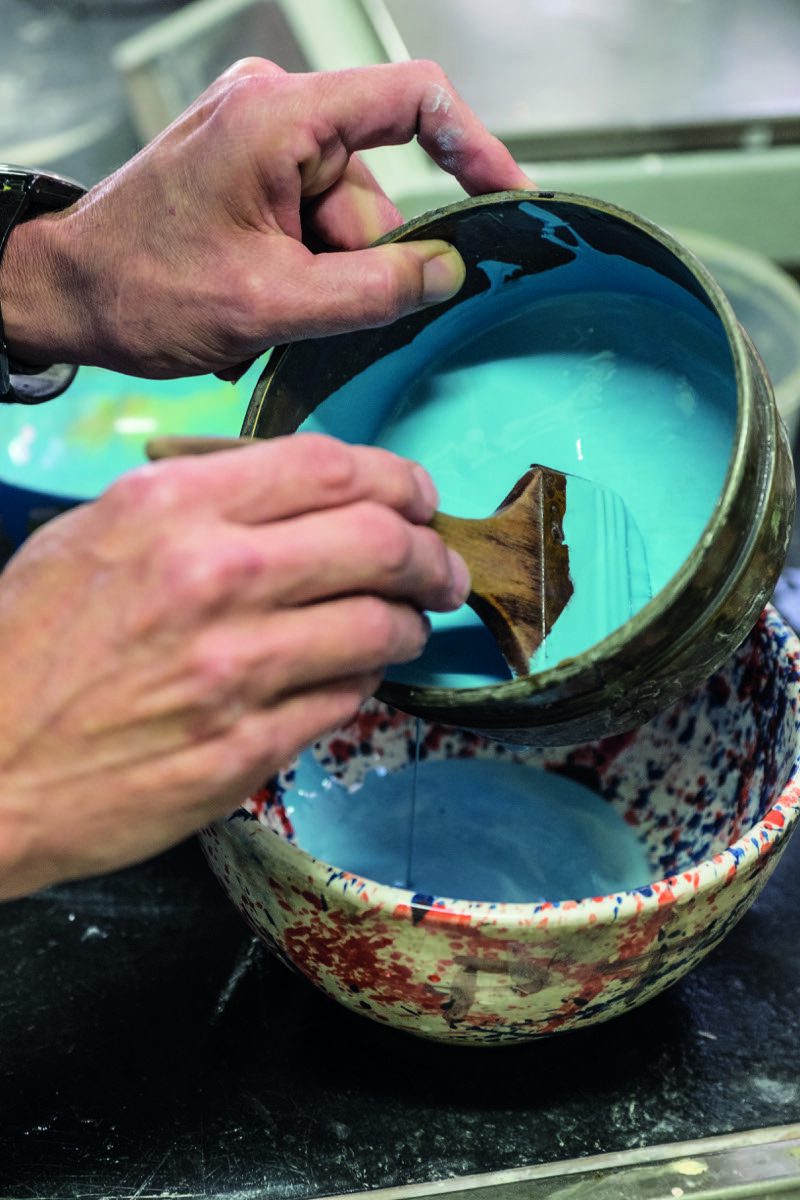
390,104
271,480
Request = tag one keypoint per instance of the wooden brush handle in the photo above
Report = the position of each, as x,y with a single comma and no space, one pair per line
179,445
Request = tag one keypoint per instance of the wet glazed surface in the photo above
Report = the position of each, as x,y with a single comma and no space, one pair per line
622,391
57,454
626,392
619,392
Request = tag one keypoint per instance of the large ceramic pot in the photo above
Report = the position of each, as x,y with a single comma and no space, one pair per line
526,254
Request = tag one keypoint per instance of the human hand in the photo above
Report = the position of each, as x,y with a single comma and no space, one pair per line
170,645
199,254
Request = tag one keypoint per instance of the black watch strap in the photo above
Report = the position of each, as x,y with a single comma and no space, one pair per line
25,194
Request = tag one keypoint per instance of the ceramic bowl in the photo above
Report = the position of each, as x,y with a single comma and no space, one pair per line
710,788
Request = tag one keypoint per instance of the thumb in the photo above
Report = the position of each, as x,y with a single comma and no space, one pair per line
360,289
443,272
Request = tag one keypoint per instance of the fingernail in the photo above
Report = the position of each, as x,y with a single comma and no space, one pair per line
442,276
427,630
461,582
427,488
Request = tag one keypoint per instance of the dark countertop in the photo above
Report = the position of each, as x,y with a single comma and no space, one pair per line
151,1049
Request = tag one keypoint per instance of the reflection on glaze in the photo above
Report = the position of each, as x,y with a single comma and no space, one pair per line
483,829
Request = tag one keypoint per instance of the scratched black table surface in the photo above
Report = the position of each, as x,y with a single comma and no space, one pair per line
149,1048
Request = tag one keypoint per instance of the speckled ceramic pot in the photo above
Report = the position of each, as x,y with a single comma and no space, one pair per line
711,787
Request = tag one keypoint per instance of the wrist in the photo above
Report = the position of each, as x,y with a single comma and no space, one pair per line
35,295
34,299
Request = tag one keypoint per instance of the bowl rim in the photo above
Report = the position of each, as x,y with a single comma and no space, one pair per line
759,841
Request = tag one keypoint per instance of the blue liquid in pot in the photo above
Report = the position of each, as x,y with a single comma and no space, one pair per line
625,391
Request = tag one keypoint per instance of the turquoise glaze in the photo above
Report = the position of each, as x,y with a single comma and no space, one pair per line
626,382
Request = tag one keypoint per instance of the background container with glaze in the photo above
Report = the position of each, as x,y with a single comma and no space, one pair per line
530,257
55,455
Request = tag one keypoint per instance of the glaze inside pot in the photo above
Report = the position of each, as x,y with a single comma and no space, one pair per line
604,369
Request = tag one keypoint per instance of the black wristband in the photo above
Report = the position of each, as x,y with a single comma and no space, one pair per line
25,194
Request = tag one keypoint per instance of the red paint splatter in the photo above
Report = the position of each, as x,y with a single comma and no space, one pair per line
340,750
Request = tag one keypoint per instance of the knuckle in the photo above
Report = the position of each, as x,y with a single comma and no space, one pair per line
344,701
359,473
377,629
332,463
215,671
148,489
345,472
245,759
187,578
389,286
188,581
438,91
388,632
431,70
248,303
245,302
406,487
389,536
246,78
251,64
439,571
203,576
239,93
